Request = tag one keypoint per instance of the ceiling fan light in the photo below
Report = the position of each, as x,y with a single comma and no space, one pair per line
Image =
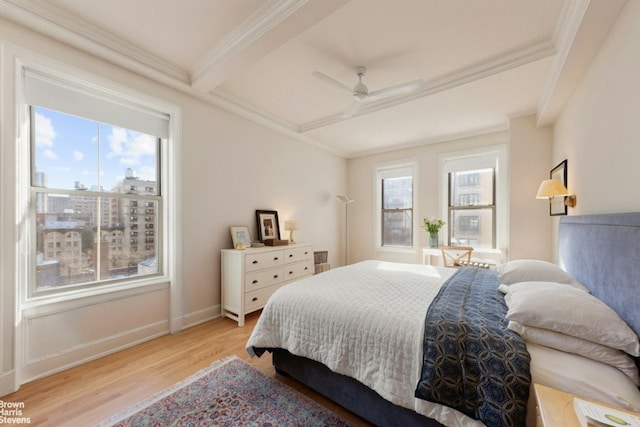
360,96
360,91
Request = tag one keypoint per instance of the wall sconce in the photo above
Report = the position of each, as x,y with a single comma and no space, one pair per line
550,188
291,226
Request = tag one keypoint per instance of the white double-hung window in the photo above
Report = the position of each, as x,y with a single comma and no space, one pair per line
99,185
474,197
395,205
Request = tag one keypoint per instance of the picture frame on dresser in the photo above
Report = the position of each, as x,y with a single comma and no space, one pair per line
557,206
240,236
268,225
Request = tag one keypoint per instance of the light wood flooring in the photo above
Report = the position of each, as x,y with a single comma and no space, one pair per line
87,394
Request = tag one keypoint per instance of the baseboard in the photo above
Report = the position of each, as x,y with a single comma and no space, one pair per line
8,383
197,317
43,367
94,350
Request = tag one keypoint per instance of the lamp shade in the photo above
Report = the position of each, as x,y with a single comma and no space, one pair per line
345,199
291,225
550,188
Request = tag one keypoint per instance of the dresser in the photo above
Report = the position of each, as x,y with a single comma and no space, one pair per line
250,276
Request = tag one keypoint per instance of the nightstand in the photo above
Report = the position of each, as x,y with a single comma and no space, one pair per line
555,407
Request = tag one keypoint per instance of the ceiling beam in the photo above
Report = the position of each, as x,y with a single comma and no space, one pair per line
584,26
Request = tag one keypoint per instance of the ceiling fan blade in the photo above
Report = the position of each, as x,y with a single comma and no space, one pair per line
399,89
353,107
331,80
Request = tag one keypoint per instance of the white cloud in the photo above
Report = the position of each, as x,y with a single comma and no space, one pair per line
45,134
50,154
78,155
129,146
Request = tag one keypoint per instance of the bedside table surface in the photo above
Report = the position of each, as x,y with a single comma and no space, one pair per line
555,407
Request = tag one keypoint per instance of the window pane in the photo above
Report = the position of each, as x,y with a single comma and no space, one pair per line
128,163
72,153
397,226
397,193
472,188
69,251
472,227
65,151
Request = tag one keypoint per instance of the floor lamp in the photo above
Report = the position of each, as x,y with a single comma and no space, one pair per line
346,200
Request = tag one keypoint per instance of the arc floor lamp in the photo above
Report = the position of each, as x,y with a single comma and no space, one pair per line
346,200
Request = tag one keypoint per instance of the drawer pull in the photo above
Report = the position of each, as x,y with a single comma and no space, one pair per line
306,268
254,299
275,258
275,276
306,252
291,272
255,262
254,281
290,255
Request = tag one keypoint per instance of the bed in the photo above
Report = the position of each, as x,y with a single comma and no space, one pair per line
358,334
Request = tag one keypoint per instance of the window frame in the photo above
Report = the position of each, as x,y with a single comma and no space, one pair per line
387,171
491,156
171,274
451,207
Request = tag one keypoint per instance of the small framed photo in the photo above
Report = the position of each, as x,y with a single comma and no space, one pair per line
268,225
240,236
557,206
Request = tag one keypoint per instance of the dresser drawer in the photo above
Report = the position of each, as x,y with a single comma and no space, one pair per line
262,278
297,270
260,261
255,300
298,254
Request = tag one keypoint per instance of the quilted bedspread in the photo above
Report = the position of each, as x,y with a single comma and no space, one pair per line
365,321
471,360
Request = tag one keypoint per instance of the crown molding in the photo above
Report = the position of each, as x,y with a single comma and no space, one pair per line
565,33
53,22
251,112
580,32
479,71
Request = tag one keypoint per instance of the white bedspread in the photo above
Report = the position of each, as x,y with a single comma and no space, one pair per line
365,321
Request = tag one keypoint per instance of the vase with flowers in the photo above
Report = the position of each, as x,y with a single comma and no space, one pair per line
433,226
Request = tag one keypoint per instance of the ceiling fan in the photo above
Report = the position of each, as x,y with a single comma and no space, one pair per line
361,93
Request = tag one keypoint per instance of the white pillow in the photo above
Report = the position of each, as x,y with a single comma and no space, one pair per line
611,356
528,270
570,311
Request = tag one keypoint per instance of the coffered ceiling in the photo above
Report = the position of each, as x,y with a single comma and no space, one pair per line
478,63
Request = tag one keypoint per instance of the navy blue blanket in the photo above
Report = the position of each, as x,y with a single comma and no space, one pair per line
471,361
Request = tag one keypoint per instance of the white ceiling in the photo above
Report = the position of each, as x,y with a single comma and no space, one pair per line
480,62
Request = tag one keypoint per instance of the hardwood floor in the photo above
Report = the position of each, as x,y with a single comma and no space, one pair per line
87,394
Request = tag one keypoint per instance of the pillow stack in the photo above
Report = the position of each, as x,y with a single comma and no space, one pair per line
549,307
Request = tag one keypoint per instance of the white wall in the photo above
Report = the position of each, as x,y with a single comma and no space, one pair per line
230,167
599,129
530,224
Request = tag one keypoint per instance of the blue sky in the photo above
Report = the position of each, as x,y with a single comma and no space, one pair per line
70,149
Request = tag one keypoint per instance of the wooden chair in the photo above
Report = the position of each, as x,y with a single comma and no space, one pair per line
460,256
456,256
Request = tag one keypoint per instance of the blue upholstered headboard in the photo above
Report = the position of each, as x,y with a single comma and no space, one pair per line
603,252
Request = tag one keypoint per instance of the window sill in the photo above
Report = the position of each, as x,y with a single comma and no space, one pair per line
43,305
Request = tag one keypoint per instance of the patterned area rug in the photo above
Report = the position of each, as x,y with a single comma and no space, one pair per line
230,392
